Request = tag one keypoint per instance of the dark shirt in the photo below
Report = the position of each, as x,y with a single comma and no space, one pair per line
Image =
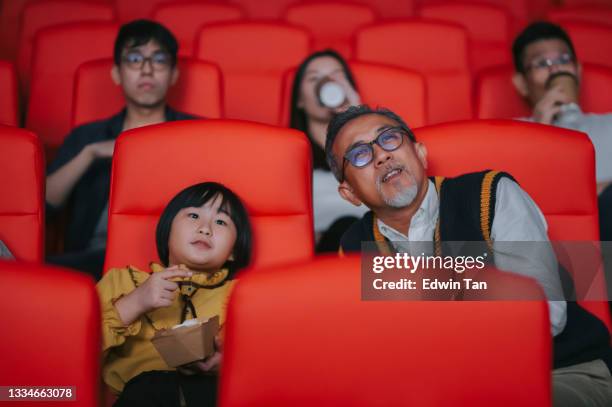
90,194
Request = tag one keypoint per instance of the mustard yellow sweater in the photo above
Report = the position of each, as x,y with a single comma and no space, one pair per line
127,350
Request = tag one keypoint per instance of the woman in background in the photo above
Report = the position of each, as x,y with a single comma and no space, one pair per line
324,86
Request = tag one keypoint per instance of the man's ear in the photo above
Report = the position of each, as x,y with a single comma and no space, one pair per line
579,72
175,75
421,151
114,73
520,84
347,193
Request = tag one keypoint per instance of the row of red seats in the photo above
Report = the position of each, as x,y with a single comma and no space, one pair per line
202,91
13,13
442,59
485,365
278,195
490,28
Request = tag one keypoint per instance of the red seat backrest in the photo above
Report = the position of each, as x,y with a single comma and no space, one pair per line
128,10
9,107
591,13
51,93
489,29
157,162
496,97
45,13
580,2
593,42
314,354
391,8
537,157
522,11
379,85
269,9
387,86
185,18
10,15
435,49
331,24
253,57
197,91
60,314
22,202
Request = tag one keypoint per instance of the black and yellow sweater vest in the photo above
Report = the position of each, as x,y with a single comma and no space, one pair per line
467,206
467,209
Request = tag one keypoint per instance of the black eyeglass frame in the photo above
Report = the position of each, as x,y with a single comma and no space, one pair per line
370,144
156,66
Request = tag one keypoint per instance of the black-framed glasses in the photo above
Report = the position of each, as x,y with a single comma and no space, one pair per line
545,63
362,154
159,60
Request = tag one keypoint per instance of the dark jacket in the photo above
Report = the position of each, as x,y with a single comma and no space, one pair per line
90,194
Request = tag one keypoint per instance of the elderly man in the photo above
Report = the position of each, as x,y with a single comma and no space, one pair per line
379,163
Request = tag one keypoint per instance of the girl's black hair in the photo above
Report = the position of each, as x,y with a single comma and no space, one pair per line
298,118
196,196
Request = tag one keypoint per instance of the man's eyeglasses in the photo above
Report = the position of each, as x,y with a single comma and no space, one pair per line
159,61
545,63
362,154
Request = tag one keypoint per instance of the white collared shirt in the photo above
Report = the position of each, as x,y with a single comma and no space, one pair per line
517,219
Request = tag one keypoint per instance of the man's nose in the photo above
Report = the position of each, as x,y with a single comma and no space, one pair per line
147,66
381,156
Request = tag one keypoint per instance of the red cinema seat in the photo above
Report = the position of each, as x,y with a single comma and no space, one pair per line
197,91
128,10
537,156
437,50
51,92
590,13
46,13
489,29
581,2
390,8
22,200
9,106
292,341
185,18
52,332
522,11
253,57
397,89
269,9
10,16
268,167
331,24
593,42
496,97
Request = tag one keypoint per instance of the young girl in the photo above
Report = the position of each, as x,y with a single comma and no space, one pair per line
203,237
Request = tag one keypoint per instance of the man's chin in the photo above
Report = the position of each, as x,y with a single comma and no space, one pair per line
148,103
400,199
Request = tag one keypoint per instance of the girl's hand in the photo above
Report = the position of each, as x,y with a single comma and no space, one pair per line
158,291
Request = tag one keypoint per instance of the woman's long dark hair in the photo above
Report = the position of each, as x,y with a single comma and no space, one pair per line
298,119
